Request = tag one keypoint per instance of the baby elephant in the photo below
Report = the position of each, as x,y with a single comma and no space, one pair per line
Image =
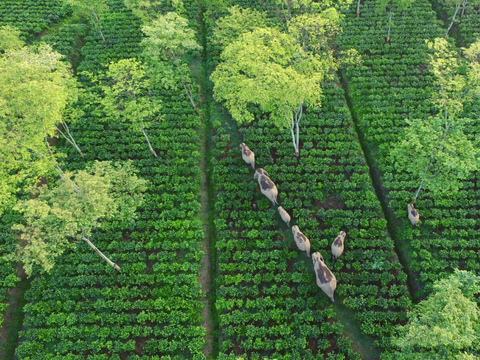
267,187
412,215
284,215
337,245
247,155
325,278
301,240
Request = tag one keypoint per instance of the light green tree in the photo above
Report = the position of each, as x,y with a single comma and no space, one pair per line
10,39
71,210
36,88
127,96
445,325
392,6
229,28
168,40
90,9
148,10
272,70
288,9
436,150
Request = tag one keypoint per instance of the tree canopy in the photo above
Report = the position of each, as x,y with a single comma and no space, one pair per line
445,325
127,96
148,10
168,40
436,150
35,89
73,208
10,39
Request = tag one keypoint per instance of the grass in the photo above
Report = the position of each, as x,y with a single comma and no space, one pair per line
351,328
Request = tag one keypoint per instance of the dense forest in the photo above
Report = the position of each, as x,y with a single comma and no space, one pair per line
220,179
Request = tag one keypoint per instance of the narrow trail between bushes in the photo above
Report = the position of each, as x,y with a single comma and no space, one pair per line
13,316
209,263
401,252
361,342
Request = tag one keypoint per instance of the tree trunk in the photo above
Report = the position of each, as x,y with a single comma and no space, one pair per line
188,90
110,262
76,188
464,4
453,19
99,27
70,138
148,141
418,190
389,26
297,154
358,8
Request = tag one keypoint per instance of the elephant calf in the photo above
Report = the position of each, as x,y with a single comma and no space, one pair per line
284,215
413,215
301,240
337,245
247,155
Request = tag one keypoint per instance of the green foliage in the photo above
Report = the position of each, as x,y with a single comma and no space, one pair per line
445,325
229,28
169,34
35,90
169,40
79,203
127,94
267,68
10,39
436,150
439,155
84,8
149,10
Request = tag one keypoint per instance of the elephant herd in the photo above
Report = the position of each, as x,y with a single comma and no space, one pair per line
325,278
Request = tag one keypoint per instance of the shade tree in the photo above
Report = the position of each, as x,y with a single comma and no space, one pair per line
148,10
92,10
54,218
443,326
229,28
10,39
279,72
169,39
437,150
36,91
128,97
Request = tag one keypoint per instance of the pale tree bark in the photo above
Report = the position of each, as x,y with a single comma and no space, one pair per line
358,8
296,117
69,138
76,188
186,86
110,262
453,19
99,26
464,4
389,26
188,91
148,141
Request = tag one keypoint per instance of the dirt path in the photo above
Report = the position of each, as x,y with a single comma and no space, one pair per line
13,317
206,268
351,328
